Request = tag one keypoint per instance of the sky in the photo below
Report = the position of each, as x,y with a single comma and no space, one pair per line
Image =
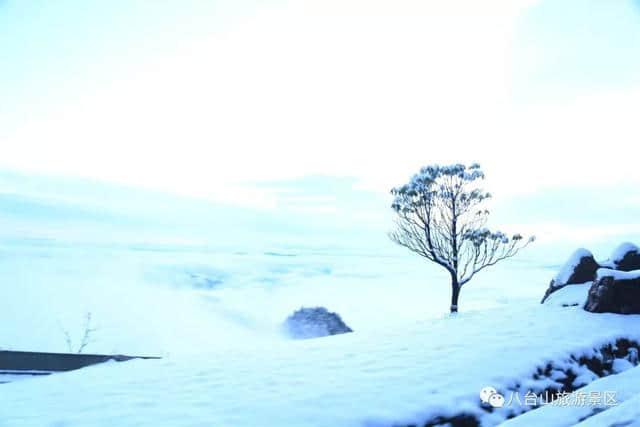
250,102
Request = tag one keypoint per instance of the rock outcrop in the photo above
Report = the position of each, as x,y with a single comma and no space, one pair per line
314,322
614,283
614,292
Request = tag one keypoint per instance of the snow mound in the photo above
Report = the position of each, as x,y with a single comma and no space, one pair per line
569,296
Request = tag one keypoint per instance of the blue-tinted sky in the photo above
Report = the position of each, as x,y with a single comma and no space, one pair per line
565,49
271,104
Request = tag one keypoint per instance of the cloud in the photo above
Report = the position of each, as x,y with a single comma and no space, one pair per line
340,88
347,88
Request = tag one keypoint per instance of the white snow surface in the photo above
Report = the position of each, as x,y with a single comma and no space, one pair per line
617,275
565,272
570,295
373,378
627,414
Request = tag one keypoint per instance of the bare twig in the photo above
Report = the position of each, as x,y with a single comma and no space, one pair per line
86,339
88,330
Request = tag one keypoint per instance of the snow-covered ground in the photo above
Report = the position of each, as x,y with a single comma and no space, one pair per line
184,281
391,376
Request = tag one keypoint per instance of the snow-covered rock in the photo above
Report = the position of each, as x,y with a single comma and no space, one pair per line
614,292
313,322
605,394
581,267
626,257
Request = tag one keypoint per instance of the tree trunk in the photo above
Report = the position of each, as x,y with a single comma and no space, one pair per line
455,293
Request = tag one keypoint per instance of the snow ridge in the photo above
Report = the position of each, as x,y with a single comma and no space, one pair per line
617,274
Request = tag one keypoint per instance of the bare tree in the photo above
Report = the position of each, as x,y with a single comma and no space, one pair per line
86,338
439,217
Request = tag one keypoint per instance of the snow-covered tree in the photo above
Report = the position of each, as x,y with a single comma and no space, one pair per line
440,217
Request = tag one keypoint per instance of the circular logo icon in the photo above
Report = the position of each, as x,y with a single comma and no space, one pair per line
486,393
496,400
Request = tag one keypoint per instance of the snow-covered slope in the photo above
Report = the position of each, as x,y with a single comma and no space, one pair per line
627,414
393,376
